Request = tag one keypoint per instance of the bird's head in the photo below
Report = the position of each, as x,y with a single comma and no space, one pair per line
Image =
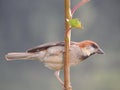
89,48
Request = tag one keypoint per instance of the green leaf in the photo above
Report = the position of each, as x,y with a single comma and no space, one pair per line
75,23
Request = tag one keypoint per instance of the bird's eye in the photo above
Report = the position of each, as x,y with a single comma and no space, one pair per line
94,46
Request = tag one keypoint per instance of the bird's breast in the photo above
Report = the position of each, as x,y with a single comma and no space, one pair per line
54,57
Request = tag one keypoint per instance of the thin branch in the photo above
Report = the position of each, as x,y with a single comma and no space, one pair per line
67,46
78,5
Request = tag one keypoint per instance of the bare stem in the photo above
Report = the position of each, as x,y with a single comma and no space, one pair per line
78,5
67,47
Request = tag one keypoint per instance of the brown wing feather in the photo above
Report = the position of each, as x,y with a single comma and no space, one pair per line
45,46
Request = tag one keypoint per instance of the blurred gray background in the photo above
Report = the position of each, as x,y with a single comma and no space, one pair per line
28,23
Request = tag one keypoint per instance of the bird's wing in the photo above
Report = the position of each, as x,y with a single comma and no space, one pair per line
46,45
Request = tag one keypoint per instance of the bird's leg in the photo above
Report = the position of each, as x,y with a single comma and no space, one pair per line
57,73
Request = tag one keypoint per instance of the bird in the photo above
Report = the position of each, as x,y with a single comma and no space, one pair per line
52,54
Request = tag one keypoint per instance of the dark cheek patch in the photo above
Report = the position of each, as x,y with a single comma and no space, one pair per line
84,57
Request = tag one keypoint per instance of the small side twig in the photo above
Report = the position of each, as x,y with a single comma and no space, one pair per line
78,5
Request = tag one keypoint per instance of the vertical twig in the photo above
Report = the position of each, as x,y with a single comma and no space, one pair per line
68,15
67,46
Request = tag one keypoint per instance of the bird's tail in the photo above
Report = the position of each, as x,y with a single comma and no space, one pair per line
18,56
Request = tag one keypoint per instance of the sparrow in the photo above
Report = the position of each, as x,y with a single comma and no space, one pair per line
52,54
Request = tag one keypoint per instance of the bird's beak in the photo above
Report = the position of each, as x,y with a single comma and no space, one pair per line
100,51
